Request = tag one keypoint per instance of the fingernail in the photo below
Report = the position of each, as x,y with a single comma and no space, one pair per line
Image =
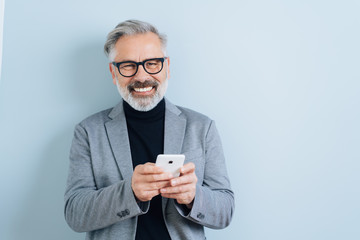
173,182
163,190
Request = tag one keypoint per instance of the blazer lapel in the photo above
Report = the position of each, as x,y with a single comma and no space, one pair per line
174,129
175,126
119,141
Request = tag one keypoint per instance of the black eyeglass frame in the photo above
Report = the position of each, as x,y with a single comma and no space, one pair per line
117,65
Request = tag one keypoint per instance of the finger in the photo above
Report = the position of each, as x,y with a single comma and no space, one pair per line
156,185
158,177
171,195
146,195
187,168
185,179
180,198
178,189
149,168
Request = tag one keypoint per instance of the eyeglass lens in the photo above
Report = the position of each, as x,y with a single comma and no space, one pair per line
151,66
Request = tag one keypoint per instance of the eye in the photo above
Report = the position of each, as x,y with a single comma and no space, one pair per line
153,63
128,66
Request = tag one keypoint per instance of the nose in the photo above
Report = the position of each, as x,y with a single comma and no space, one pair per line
141,74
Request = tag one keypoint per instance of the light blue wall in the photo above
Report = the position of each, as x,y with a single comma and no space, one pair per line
1,31
281,79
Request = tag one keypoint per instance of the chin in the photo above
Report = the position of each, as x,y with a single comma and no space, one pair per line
142,104
146,103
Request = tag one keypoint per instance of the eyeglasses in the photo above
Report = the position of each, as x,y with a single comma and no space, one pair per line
130,68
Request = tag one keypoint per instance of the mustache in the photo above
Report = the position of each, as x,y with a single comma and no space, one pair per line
147,83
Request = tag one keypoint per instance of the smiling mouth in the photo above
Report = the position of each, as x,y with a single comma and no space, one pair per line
141,90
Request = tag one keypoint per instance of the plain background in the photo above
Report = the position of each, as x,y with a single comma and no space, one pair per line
1,30
280,78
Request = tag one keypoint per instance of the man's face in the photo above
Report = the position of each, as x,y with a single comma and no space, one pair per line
143,91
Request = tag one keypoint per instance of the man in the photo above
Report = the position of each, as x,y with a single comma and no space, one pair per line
114,189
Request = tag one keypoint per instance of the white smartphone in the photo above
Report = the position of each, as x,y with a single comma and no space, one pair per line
171,163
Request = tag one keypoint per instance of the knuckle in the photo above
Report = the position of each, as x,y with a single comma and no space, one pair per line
154,178
190,178
146,168
137,169
155,185
134,181
192,165
146,195
179,180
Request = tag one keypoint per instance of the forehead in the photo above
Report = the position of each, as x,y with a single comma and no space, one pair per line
138,47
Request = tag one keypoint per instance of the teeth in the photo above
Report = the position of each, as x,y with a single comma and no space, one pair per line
142,89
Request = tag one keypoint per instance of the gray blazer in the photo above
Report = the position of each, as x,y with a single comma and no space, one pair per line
99,199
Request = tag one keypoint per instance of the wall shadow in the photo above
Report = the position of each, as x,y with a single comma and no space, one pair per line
87,88
42,216
90,80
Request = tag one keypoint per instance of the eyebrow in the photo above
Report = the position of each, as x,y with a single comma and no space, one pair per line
125,60
128,60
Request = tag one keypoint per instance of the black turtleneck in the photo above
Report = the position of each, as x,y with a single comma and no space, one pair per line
146,136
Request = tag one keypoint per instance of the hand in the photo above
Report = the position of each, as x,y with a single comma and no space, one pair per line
147,180
182,188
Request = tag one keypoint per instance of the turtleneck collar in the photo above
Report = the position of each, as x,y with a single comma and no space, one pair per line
154,114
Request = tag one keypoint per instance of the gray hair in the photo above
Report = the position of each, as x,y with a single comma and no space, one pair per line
128,28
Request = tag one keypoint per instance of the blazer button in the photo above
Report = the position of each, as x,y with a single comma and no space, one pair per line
200,216
123,213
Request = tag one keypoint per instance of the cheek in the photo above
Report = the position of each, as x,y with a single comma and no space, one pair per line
161,77
123,84
122,81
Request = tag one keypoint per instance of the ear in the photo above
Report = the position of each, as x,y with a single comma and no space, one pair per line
112,71
168,67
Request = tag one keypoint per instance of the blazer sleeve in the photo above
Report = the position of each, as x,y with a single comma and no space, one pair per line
213,205
88,208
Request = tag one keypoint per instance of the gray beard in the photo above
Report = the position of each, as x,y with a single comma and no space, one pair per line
143,104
